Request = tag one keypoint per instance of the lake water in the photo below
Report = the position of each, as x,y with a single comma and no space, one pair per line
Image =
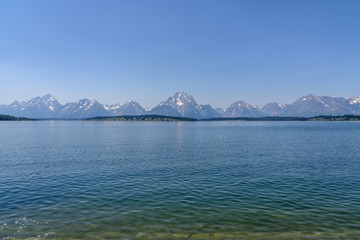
179,180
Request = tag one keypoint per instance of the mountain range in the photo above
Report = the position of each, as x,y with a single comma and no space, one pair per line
182,105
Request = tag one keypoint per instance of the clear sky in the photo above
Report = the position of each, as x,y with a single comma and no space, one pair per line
217,51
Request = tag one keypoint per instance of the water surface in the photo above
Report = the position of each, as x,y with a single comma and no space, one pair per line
179,180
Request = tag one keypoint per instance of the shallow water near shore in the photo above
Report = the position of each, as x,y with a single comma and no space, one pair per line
179,180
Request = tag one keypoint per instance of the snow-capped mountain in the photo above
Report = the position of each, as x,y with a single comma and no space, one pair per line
272,109
129,108
38,107
307,106
312,105
11,109
83,108
48,107
182,104
243,109
112,108
354,104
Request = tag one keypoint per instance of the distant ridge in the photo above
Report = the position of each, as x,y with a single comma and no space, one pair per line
316,118
182,105
12,118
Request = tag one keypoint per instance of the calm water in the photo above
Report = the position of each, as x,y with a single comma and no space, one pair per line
192,180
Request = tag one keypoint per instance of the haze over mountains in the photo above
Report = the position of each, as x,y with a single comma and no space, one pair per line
182,105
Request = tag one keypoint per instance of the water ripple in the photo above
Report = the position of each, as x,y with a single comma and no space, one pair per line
174,181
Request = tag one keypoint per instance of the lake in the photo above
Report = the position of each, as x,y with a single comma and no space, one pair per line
179,180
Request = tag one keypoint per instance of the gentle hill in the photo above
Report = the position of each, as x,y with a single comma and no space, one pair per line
142,118
336,118
316,118
169,118
12,118
256,119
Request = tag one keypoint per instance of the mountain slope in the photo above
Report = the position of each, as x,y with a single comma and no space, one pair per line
312,105
272,109
207,111
243,109
165,110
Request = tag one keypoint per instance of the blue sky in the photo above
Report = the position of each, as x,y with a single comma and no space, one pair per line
217,51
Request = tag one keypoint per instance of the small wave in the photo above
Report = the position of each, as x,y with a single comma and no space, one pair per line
11,230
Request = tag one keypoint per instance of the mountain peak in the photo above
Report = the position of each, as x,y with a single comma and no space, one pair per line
308,97
179,94
181,98
16,102
131,103
241,103
83,100
273,108
48,99
47,96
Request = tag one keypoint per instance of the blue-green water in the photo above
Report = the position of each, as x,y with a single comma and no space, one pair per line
190,180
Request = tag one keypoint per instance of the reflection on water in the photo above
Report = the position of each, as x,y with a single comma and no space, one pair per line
232,180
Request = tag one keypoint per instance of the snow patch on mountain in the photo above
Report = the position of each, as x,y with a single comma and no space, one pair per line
354,100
